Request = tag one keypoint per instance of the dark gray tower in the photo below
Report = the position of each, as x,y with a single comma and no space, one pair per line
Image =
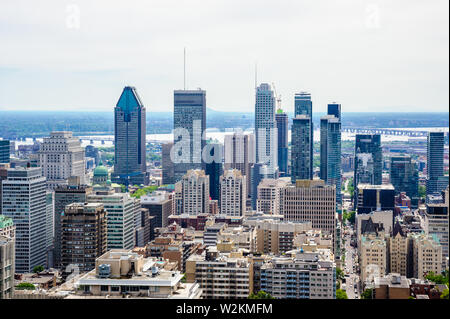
303,108
129,139
282,128
435,163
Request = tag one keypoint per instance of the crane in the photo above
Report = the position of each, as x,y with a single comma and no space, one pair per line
277,97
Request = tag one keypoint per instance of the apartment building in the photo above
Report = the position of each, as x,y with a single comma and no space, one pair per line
427,255
373,257
233,193
195,192
269,195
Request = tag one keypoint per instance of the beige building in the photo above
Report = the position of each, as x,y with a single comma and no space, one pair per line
373,258
269,195
242,236
225,274
427,255
398,251
124,273
391,286
195,192
7,259
233,193
313,201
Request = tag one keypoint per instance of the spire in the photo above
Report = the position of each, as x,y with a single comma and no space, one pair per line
129,100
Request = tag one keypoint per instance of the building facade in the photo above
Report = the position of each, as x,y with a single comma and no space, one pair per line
301,148
404,176
233,193
282,120
195,192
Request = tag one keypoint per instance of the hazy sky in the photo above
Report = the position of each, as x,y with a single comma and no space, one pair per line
368,55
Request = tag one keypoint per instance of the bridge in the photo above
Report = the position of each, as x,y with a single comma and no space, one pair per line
104,139
385,131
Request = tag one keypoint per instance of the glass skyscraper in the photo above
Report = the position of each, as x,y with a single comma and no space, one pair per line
282,128
189,123
436,181
214,169
404,177
129,139
303,111
4,151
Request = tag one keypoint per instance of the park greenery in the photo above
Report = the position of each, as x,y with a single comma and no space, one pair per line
25,286
38,269
441,279
367,294
144,191
341,294
260,295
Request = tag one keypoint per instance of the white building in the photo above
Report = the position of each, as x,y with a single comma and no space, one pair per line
61,156
269,195
233,193
195,192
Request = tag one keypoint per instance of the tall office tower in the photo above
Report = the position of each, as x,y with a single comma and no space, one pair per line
4,151
61,156
50,225
195,192
233,193
303,106
266,129
301,148
73,192
214,169
313,201
404,177
330,152
7,261
259,172
3,176
368,161
167,164
24,202
435,163
375,198
160,206
240,154
269,196
129,139
282,128
189,123
335,110
436,223
122,212
83,235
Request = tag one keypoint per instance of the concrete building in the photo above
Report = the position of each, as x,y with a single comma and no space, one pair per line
65,195
398,250
373,258
259,172
50,225
189,123
266,129
122,272
303,275
195,192
160,205
233,193
311,200
83,235
7,269
391,286
221,275
377,222
427,255
61,156
24,202
269,195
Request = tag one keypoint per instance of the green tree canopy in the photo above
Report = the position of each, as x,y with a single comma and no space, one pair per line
341,294
367,294
37,269
444,294
260,295
25,286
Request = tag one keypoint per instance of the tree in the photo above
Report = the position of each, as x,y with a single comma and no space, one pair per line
411,297
444,294
367,294
260,295
25,286
37,269
422,191
438,279
339,273
350,216
341,294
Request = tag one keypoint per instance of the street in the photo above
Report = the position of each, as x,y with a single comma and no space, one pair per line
352,278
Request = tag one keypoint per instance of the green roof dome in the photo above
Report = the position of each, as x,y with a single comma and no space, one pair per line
100,170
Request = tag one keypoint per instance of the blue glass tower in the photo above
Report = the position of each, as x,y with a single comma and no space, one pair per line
4,151
282,128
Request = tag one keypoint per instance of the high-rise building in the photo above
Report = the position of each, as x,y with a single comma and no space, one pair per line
61,156
3,176
50,225
311,200
195,192
375,198
7,261
129,139
335,110
233,193
160,205
214,169
404,176
301,148
436,223
435,163
269,196
4,151
167,164
83,235
282,130
65,195
239,153
330,152
303,106
24,201
266,129
189,123
259,172
122,213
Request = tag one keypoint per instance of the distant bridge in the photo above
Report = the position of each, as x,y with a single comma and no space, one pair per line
104,139
385,131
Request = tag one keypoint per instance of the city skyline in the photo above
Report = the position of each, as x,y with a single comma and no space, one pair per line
381,48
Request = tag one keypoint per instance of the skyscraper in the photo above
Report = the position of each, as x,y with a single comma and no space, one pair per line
303,106
330,150
334,109
258,173
129,139
404,176
301,148
24,201
214,169
282,128
195,192
233,193
435,163
167,164
239,151
189,123
265,129
4,151
61,156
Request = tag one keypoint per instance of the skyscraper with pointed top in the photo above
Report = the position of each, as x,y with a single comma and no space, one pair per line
129,139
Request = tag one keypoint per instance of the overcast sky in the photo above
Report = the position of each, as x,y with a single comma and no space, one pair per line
368,55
